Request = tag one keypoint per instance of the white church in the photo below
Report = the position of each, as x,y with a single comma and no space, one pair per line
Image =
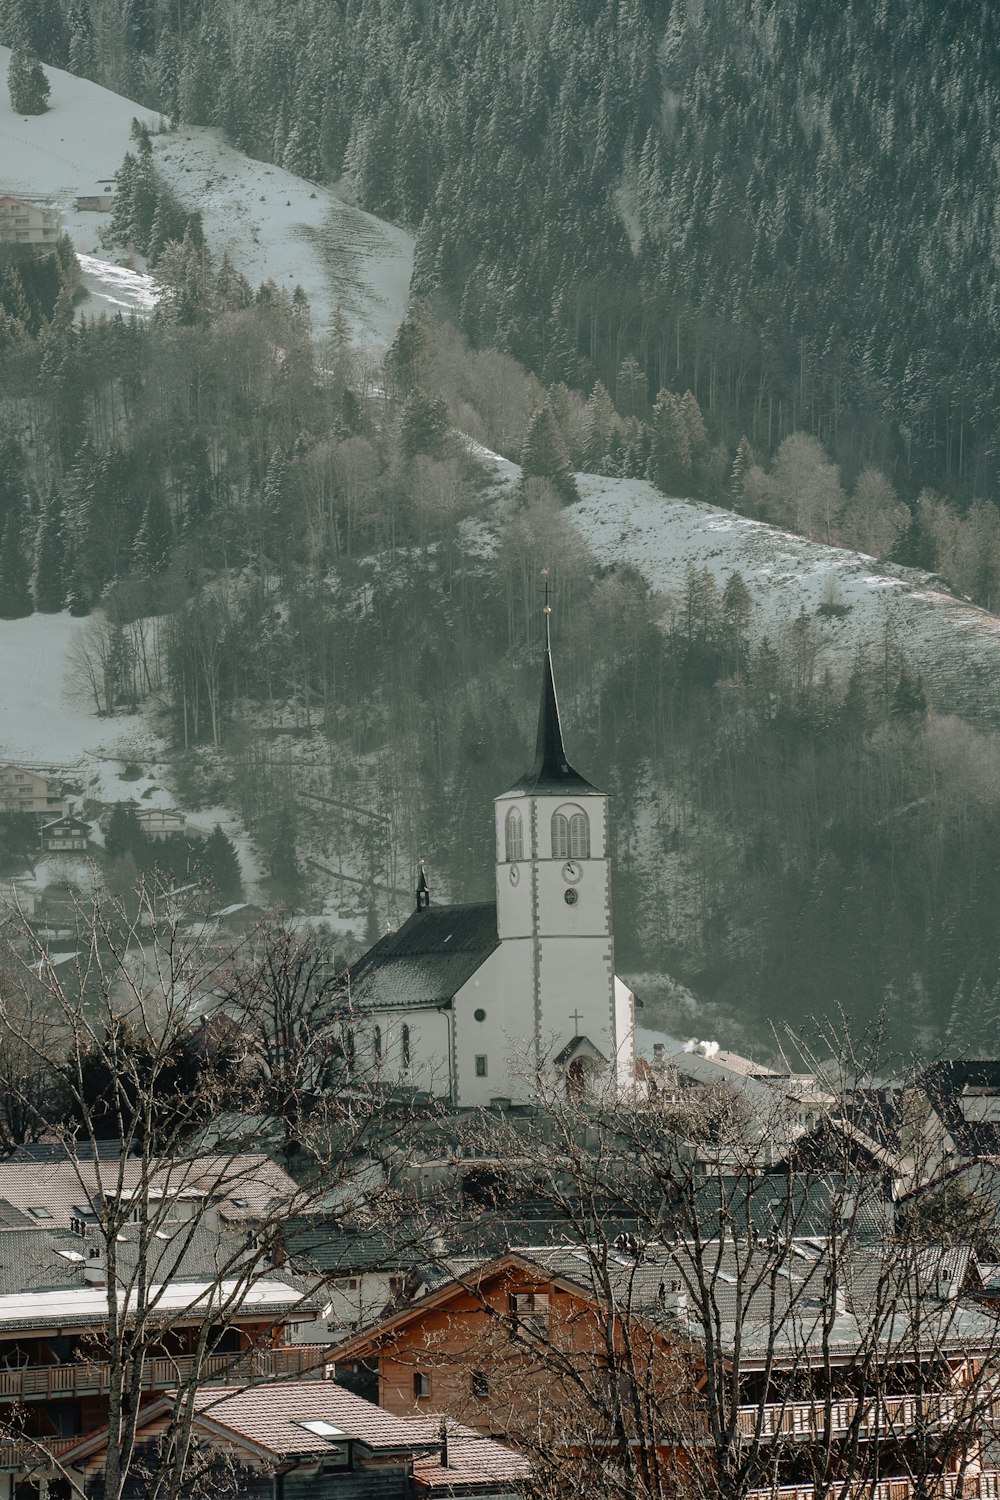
475,1003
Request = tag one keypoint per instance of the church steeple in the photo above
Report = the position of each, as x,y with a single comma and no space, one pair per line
551,771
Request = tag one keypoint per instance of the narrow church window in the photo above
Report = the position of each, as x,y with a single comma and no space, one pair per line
514,836
406,1046
377,1043
480,1066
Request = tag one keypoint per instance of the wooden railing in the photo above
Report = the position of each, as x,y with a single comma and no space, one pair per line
93,1378
983,1486
888,1417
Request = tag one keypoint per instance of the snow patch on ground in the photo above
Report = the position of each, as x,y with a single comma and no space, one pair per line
954,644
280,227
115,289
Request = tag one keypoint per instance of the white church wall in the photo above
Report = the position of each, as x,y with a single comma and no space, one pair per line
576,987
625,1033
429,1049
501,988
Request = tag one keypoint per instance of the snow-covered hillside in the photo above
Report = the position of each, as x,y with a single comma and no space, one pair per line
273,225
952,643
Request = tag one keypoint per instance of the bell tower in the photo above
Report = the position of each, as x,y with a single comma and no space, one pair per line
554,910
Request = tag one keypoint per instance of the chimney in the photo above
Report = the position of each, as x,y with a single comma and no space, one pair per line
94,1268
673,1299
444,1442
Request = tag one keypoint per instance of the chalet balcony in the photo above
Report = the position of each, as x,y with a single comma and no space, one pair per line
86,1378
893,1416
982,1486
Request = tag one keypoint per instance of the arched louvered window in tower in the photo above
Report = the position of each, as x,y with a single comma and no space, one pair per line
514,836
570,834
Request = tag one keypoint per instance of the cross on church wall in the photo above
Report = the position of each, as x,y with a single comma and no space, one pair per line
576,1018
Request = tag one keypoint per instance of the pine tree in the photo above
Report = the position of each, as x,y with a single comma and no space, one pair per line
15,587
742,464
124,833
50,557
424,425
82,42
670,459
77,601
222,865
154,539
545,454
27,83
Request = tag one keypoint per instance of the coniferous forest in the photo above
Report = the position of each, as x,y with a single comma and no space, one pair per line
721,245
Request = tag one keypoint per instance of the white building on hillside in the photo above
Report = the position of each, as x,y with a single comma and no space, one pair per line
472,1003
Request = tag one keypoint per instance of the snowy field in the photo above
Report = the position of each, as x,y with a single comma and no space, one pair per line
955,645
274,225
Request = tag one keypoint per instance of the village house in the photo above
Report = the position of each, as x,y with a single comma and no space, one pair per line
56,1289
23,223
24,791
764,1362
66,835
313,1440
161,823
99,200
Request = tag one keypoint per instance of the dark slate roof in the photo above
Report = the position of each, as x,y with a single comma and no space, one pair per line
335,1252
429,959
551,771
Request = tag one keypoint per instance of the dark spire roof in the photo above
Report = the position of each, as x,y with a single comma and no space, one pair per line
423,889
551,771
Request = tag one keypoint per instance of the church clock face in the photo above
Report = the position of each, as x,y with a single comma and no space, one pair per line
515,875
572,872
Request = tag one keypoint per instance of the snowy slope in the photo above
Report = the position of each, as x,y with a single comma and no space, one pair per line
955,645
278,226
274,225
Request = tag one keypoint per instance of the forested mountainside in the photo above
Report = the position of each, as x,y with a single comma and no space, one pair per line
299,566
786,208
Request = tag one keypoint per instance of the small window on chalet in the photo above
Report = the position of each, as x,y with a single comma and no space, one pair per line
480,1383
529,1309
514,836
421,1385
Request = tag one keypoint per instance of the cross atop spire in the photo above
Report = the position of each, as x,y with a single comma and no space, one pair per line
551,770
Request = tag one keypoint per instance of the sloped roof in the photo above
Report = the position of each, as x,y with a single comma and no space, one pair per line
428,960
772,1300
246,1186
473,1463
268,1418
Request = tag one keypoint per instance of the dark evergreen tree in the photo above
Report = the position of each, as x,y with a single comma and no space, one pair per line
50,585
82,42
222,866
123,835
27,84
154,539
15,573
424,425
545,453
